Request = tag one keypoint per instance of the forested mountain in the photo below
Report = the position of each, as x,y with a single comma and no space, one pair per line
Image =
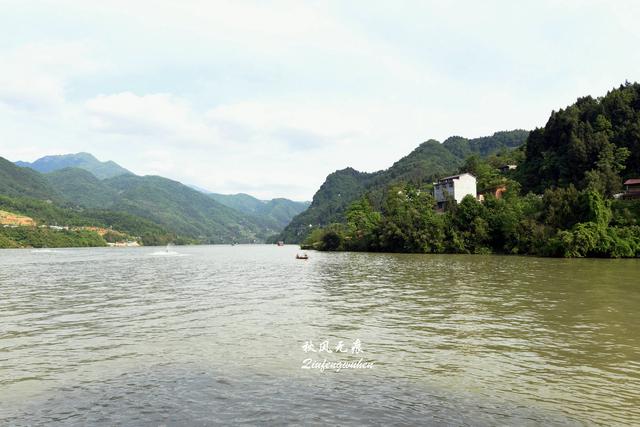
594,143
168,203
183,210
86,161
17,181
38,196
485,145
173,208
277,212
81,188
282,211
429,161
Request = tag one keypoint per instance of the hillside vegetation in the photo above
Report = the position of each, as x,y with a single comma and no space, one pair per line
429,161
156,209
594,143
16,181
558,202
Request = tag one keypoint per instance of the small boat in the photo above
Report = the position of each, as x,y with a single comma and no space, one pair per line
280,243
303,256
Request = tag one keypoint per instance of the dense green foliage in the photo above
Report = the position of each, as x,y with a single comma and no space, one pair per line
185,211
35,237
559,200
426,163
81,188
486,145
563,223
594,144
47,213
85,161
16,181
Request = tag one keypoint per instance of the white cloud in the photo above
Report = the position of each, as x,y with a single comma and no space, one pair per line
271,97
34,76
147,115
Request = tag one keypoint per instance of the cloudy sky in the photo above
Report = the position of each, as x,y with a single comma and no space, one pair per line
268,98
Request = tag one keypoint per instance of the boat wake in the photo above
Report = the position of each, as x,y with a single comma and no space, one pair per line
168,252
46,251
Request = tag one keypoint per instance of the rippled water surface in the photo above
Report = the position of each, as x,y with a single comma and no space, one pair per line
214,334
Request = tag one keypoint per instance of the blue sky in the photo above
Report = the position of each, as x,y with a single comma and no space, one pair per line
268,98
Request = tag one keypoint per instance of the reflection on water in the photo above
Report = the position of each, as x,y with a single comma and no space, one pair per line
121,336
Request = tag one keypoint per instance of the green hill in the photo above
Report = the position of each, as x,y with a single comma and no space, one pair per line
594,143
48,213
429,161
183,210
86,161
82,188
17,181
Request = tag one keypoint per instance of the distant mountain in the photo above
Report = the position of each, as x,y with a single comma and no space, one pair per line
284,210
240,202
429,161
184,210
188,214
278,212
86,161
168,203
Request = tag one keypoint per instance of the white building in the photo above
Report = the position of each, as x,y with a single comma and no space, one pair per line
455,187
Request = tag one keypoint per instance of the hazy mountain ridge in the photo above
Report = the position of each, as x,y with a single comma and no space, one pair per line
86,161
278,212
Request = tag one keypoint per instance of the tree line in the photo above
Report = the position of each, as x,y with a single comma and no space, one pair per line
559,201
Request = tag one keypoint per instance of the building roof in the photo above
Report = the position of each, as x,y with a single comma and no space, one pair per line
455,176
632,181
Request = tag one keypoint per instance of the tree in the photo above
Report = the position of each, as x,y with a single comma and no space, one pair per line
363,224
409,222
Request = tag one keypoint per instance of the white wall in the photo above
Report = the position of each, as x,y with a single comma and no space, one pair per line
457,188
463,186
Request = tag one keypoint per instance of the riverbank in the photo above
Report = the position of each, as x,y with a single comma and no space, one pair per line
563,222
37,237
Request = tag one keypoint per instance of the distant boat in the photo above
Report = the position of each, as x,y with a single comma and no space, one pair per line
280,243
303,256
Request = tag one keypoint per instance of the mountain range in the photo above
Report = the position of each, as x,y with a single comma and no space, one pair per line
73,181
429,161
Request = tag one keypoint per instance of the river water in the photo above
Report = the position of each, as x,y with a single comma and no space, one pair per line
208,335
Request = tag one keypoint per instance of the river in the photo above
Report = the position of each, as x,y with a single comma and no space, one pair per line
207,335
